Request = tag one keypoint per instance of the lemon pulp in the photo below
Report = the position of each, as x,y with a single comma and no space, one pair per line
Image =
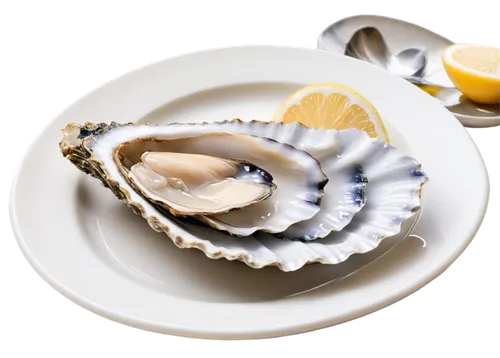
332,106
475,71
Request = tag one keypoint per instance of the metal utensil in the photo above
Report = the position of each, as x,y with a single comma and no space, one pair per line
369,45
422,81
414,58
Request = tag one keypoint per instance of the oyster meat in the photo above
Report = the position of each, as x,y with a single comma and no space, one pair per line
195,184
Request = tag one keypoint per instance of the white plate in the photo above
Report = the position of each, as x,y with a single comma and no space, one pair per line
95,251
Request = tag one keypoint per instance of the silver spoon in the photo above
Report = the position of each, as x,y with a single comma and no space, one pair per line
411,58
369,45
424,82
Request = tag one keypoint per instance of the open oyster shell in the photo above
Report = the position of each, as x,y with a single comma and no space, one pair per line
392,210
299,179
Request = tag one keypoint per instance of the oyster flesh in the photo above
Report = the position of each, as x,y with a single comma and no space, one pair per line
195,184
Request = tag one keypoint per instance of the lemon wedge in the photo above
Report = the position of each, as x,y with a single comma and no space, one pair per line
475,71
332,106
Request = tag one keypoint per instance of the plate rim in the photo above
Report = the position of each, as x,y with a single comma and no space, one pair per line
138,322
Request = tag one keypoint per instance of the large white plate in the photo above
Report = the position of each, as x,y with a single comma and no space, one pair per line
95,251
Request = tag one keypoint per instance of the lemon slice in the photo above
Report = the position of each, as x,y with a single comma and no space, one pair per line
474,70
332,106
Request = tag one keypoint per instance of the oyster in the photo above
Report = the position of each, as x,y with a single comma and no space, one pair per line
126,157
394,191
